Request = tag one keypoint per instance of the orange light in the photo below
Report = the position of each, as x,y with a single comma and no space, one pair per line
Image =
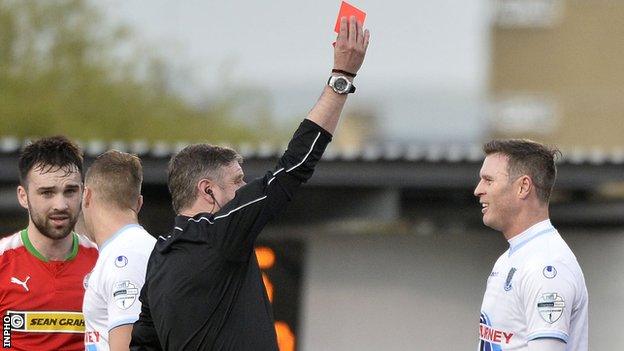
266,257
268,285
285,336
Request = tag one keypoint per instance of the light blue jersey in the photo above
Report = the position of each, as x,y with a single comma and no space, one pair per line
536,290
112,288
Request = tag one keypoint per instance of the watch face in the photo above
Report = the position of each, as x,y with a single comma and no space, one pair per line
341,84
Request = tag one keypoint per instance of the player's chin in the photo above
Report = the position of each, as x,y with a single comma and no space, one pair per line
488,220
59,231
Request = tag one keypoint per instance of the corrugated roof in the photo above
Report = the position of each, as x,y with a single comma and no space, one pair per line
369,153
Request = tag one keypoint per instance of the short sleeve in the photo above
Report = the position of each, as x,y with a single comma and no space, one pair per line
547,292
125,276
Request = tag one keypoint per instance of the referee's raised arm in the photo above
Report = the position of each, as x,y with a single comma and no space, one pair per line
203,288
258,202
349,52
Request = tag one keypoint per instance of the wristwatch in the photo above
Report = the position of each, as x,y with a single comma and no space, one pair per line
341,85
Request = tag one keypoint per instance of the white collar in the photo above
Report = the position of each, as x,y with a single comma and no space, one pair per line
538,229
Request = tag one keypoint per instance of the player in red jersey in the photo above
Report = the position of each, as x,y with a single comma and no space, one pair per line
42,268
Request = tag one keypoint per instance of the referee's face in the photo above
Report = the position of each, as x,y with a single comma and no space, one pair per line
231,180
496,193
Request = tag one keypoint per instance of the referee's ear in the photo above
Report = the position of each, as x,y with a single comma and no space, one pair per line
204,191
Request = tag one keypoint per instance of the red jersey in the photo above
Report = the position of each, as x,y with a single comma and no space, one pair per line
41,300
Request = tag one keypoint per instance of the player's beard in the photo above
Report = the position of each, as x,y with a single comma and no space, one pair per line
48,229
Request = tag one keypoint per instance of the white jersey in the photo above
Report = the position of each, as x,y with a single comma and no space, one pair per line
113,286
536,290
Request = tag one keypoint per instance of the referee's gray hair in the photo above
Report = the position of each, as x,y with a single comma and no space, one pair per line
527,157
190,165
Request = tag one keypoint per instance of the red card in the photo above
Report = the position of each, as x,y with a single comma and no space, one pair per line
348,10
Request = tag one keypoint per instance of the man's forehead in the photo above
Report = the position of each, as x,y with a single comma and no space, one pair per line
229,171
233,168
45,175
495,163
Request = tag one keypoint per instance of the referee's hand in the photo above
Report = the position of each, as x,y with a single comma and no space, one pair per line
351,45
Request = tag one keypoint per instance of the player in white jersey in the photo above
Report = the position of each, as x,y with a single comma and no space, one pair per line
112,200
536,298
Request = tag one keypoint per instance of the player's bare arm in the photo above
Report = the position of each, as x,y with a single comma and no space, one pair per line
119,338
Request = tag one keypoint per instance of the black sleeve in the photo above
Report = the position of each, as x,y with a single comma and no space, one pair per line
144,337
255,204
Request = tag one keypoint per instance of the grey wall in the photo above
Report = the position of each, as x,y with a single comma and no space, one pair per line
424,292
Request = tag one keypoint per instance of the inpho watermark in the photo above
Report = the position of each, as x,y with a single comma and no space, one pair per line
6,332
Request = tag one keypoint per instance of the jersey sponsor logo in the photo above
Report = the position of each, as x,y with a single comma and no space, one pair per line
549,272
92,337
510,275
490,334
125,293
550,307
22,283
46,321
491,338
121,261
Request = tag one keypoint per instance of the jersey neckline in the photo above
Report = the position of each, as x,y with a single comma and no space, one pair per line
538,229
117,233
33,251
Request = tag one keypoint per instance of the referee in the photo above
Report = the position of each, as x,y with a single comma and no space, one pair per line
203,288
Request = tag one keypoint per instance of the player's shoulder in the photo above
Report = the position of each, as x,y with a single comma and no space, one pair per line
503,258
123,262
134,239
11,242
556,264
87,248
549,248
85,242
143,234
537,260
10,248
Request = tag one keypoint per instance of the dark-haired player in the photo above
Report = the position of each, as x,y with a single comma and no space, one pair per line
42,267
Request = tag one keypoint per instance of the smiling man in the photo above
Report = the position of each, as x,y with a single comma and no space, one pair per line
535,297
42,268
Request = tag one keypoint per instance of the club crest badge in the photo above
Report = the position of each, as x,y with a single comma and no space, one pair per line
550,307
510,275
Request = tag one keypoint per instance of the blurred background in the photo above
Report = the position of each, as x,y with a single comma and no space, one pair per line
384,249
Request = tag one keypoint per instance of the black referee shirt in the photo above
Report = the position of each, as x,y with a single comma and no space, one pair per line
203,289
